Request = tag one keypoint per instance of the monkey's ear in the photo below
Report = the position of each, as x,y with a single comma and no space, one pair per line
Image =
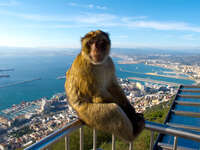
107,35
82,38
88,35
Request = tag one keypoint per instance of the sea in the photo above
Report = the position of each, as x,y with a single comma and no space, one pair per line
48,68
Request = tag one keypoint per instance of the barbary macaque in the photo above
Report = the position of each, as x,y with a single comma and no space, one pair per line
94,93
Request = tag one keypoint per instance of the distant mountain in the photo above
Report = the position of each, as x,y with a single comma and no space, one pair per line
17,51
13,51
140,51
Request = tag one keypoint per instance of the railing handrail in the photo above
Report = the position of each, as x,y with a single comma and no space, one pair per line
166,129
56,135
66,130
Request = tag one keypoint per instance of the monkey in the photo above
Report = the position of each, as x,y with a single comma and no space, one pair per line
93,91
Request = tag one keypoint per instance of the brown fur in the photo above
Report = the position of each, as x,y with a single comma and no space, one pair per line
93,91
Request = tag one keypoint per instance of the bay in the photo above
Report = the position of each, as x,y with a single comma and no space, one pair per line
48,68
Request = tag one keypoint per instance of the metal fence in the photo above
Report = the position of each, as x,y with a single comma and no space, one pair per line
75,125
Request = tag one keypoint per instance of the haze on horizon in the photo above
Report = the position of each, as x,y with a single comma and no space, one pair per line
50,24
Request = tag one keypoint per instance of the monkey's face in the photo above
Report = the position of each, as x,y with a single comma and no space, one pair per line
96,46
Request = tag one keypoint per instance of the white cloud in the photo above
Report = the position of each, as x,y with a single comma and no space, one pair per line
157,25
96,18
90,6
37,17
104,20
101,7
129,19
85,18
72,4
24,41
120,37
189,37
8,3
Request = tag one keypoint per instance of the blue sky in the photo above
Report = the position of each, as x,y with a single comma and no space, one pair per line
130,23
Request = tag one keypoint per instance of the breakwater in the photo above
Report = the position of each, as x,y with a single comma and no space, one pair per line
20,82
60,77
153,81
4,75
7,69
159,75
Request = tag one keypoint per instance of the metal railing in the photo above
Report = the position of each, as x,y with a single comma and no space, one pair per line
153,127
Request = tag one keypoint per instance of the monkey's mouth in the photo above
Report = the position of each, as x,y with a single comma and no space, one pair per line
97,58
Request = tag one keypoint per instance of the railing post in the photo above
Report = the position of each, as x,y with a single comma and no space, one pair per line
94,139
81,139
113,142
130,146
66,142
175,142
151,140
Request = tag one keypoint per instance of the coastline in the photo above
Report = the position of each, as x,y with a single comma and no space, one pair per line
20,82
176,72
189,77
50,82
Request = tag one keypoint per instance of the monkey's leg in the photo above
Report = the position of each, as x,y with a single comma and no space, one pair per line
137,119
108,117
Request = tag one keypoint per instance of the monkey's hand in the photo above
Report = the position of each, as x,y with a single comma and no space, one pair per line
102,100
97,100
108,117
103,96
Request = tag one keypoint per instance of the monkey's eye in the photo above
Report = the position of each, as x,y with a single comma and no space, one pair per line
90,42
101,44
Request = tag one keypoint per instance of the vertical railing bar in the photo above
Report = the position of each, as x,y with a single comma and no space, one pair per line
66,142
175,142
130,146
81,139
113,142
152,140
48,148
94,139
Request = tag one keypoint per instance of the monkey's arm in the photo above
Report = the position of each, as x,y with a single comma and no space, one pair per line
114,89
117,92
103,96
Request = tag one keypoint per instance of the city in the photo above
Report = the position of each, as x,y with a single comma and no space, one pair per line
28,122
184,66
